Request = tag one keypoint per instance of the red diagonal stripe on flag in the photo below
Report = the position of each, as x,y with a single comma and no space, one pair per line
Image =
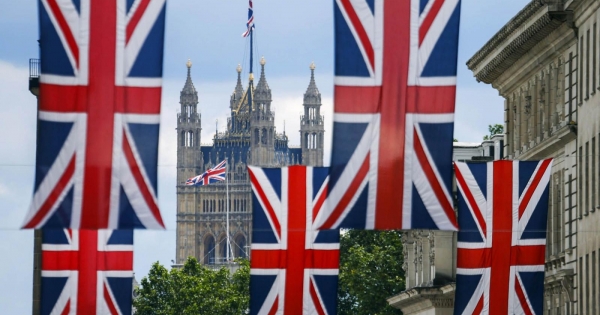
469,196
428,21
350,192
360,31
139,179
135,19
66,30
109,302
435,185
534,184
315,298
521,296
54,195
261,194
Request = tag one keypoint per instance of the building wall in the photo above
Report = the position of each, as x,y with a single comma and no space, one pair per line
551,86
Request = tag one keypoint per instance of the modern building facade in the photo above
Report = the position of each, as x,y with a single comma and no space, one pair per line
545,63
250,139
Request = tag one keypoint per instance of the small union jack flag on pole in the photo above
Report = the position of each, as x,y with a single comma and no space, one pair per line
212,175
250,23
99,110
87,272
502,211
395,86
294,267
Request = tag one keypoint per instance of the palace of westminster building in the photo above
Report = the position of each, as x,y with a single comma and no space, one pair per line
250,139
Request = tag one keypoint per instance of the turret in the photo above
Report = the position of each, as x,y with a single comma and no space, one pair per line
312,127
262,122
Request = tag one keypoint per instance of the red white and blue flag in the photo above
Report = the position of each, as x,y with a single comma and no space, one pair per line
502,211
294,267
212,175
395,84
99,107
250,23
87,272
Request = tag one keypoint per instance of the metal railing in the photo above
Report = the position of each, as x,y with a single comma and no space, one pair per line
34,68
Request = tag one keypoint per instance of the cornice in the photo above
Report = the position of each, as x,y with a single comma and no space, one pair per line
528,28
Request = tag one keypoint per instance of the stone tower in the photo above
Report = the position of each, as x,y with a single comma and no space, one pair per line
312,128
189,162
262,122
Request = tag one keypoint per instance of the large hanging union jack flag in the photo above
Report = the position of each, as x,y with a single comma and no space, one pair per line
294,267
395,84
99,106
87,272
502,211
212,175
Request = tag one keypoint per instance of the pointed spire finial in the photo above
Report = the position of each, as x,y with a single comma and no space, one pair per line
239,68
312,66
262,61
189,63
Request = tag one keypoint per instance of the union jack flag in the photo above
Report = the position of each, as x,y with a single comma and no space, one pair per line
294,267
212,175
502,211
250,23
395,84
87,271
99,108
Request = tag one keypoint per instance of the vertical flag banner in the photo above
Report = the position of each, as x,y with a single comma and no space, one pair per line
212,175
98,120
250,23
502,212
87,272
294,267
395,86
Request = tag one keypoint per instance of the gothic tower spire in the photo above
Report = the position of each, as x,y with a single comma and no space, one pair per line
262,122
189,156
312,126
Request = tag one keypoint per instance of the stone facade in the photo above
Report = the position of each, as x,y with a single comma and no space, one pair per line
549,81
250,139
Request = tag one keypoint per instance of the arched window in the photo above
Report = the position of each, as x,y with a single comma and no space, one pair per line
306,141
263,138
223,248
256,136
239,248
209,250
182,139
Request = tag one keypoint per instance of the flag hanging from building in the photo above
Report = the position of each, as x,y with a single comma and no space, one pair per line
87,272
98,121
502,212
250,23
395,84
294,267
212,175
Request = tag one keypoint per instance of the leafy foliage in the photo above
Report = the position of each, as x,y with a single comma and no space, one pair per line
370,272
194,289
496,129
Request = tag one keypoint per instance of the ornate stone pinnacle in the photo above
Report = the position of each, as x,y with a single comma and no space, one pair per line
239,68
312,66
189,63
262,61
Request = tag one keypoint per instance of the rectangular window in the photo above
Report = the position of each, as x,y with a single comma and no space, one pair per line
593,69
587,65
580,286
580,181
580,69
586,182
593,175
587,284
592,296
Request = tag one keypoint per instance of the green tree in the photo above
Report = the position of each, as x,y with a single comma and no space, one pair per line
370,272
194,289
495,129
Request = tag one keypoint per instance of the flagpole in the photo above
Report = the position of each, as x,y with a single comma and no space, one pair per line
227,207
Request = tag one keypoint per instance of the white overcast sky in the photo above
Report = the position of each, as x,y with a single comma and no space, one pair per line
290,34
